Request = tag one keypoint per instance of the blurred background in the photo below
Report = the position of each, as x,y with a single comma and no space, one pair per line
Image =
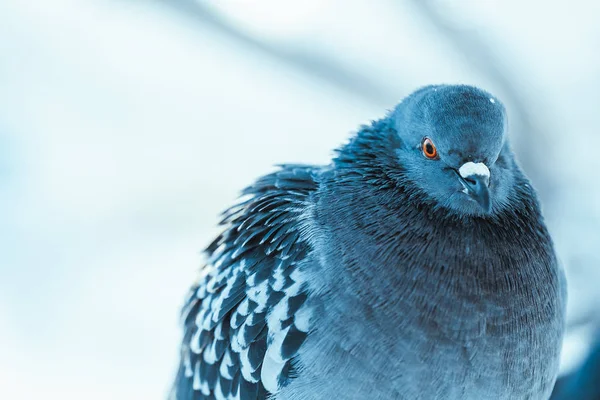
127,126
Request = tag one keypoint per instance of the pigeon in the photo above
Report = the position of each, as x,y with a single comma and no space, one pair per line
416,265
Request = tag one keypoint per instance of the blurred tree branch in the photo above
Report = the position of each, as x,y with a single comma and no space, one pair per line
531,133
323,67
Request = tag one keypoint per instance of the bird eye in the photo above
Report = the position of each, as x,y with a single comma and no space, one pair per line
429,149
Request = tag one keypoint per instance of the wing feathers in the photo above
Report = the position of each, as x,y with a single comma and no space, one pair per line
248,317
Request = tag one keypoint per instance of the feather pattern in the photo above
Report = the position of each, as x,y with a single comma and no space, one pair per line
235,344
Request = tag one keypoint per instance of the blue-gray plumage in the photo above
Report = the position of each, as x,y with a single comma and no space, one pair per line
415,266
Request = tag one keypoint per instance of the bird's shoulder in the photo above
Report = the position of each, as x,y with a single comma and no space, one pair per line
246,317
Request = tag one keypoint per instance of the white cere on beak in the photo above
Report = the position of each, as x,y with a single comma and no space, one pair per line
471,168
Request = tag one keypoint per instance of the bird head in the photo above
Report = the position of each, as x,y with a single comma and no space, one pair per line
452,145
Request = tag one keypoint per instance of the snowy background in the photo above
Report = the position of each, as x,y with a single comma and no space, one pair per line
126,126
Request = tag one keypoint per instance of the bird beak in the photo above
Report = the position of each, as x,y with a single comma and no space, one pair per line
475,178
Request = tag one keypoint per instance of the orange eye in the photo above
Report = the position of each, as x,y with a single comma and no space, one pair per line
429,149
